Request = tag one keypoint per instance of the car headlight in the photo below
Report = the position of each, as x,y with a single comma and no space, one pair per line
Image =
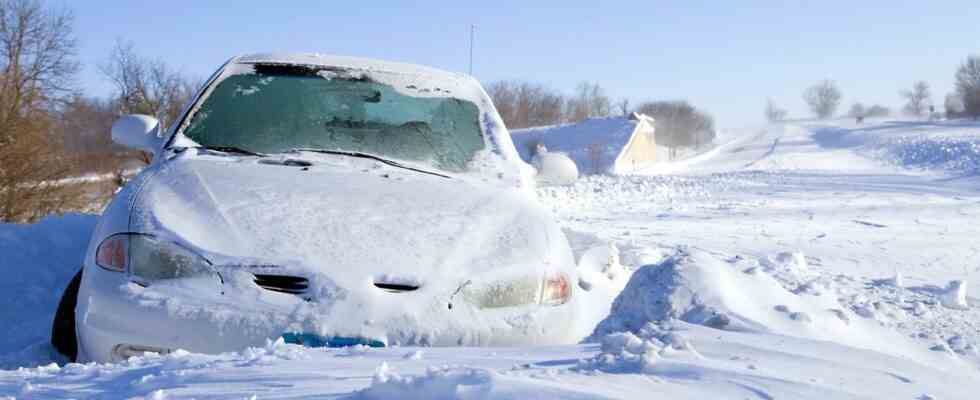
148,258
553,289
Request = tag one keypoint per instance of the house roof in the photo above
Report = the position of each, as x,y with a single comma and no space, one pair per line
612,134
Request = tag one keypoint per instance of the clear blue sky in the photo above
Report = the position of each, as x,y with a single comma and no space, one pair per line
724,57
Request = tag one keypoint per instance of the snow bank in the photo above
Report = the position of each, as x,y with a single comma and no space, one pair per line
945,147
699,288
771,295
38,261
960,155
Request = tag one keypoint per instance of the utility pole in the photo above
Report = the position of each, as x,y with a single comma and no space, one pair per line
472,31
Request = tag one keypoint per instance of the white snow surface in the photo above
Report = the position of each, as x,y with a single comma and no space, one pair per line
803,260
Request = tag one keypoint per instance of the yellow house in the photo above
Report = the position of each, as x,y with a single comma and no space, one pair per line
617,145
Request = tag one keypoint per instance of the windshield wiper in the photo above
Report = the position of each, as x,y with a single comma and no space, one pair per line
232,149
372,157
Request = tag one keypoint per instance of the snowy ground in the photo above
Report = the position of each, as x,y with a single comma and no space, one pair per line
771,266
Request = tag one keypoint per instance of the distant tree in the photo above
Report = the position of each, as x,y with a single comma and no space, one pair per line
590,101
953,105
968,85
37,67
624,107
916,100
877,110
147,86
84,124
679,124
823,98
857,110
524,104
774,113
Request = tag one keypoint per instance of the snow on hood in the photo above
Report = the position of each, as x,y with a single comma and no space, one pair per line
345,224
352,223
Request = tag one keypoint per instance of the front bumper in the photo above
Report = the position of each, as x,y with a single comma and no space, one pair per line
193,316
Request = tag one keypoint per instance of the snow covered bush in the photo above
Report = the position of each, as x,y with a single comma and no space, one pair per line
555,169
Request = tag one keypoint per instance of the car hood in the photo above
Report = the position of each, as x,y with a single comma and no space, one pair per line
354,221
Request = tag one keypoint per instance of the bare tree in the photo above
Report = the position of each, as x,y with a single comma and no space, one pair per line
953,105
37,50
590,101
147,86
624,107
968,85
877,110
773,112
857,110
594,151
916,100
84,123
823,98
679,124
523,104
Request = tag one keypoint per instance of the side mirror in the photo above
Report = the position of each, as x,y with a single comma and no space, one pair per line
138,132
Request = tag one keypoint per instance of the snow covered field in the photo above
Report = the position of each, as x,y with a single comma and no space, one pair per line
805,260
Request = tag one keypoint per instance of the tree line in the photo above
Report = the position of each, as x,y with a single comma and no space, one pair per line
51,132
824,98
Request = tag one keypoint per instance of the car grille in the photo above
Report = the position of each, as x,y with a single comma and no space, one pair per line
283,283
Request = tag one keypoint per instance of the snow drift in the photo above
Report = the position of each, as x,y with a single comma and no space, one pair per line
696,287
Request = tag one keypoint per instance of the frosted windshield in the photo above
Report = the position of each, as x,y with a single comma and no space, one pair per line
277,109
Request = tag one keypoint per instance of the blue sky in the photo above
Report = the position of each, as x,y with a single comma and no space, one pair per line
726,57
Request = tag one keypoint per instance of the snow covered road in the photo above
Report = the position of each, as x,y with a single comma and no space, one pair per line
775,256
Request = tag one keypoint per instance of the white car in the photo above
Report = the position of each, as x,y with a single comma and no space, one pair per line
330,201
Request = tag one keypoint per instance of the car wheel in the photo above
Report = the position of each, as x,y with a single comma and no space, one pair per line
63,328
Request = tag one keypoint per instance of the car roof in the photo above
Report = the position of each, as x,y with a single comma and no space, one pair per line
346,62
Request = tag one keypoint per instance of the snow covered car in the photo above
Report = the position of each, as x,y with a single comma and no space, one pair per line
329,201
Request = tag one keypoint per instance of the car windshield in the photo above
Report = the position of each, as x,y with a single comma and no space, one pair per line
279,108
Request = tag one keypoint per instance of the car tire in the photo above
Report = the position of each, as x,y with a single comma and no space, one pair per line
63,327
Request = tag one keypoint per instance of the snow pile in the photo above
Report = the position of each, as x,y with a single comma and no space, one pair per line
554,169
624,352
601,277
437,383
772,295
37,260
699,288
955,295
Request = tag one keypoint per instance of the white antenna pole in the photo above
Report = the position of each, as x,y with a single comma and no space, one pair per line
472,30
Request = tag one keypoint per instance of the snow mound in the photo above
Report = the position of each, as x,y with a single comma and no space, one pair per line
624,352
555,169
697,287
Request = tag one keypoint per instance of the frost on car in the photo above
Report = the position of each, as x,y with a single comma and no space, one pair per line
328,201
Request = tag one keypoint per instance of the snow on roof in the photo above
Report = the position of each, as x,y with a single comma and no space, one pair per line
611,133
357,63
